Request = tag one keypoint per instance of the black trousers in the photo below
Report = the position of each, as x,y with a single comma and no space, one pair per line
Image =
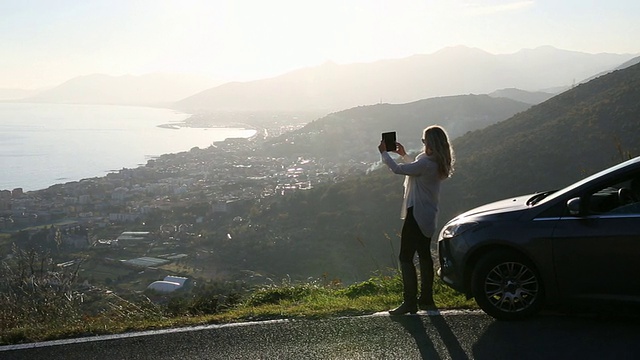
413,241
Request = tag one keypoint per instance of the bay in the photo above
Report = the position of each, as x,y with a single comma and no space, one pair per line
46,144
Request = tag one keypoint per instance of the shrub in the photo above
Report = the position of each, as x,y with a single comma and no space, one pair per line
274,294
376,285
34,291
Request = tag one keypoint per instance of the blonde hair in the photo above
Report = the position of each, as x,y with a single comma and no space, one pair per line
437,140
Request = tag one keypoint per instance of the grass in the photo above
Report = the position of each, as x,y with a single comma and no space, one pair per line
310,300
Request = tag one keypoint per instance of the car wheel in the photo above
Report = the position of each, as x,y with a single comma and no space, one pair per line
507,286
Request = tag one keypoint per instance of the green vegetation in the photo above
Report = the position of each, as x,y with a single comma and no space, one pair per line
39,302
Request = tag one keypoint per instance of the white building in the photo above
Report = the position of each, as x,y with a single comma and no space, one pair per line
169,284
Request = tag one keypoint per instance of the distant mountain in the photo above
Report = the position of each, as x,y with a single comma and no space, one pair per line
15,94
148,90
350,229
451,71
634,61
527,97
627,64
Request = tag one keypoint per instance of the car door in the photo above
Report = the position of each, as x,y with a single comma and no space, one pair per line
597,254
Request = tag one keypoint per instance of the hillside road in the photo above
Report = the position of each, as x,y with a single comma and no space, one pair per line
433,335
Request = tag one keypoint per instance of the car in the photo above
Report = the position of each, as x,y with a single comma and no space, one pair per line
572,245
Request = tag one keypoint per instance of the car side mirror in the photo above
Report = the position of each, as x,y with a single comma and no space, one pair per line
574,206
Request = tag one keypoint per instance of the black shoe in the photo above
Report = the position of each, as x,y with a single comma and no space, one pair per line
404,308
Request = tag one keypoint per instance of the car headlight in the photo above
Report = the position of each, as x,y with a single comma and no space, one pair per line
456,229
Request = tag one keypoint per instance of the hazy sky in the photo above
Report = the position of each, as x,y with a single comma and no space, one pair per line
46,42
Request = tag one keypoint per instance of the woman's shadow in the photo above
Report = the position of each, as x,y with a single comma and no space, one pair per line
415,326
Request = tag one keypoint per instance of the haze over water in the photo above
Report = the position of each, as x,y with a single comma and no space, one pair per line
46,144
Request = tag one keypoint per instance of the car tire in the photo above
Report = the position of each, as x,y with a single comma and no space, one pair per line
507,286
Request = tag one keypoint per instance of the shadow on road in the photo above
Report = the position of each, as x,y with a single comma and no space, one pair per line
596,332
560,337
581,335
415,326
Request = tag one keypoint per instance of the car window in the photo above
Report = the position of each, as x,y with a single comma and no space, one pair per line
620,197
570,188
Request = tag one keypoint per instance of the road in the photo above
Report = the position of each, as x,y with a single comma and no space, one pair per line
445,335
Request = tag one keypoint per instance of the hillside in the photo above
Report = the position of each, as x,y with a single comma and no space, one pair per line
552,144
351,228
634,61
450,71
353,134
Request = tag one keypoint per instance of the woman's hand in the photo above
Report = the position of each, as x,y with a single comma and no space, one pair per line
399,148
382,147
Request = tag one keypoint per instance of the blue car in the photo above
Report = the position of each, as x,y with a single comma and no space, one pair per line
573,245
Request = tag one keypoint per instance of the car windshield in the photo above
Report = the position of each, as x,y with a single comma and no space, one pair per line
550,195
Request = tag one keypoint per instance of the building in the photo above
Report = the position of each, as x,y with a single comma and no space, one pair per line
169,284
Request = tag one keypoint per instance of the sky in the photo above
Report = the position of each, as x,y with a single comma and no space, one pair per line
44,43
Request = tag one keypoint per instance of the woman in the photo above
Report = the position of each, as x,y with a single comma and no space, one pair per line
419,210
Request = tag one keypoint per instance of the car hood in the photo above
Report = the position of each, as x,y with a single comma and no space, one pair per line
499,207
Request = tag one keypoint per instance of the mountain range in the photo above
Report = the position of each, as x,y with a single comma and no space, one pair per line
451,71
145,90
332,87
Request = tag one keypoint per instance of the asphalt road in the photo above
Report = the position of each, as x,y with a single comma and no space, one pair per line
446,335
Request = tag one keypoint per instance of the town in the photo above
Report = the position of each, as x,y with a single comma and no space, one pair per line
227,172
117,215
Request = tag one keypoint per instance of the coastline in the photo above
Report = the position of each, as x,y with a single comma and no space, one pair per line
209,121
54,144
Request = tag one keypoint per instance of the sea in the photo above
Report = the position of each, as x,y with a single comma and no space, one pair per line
47,144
